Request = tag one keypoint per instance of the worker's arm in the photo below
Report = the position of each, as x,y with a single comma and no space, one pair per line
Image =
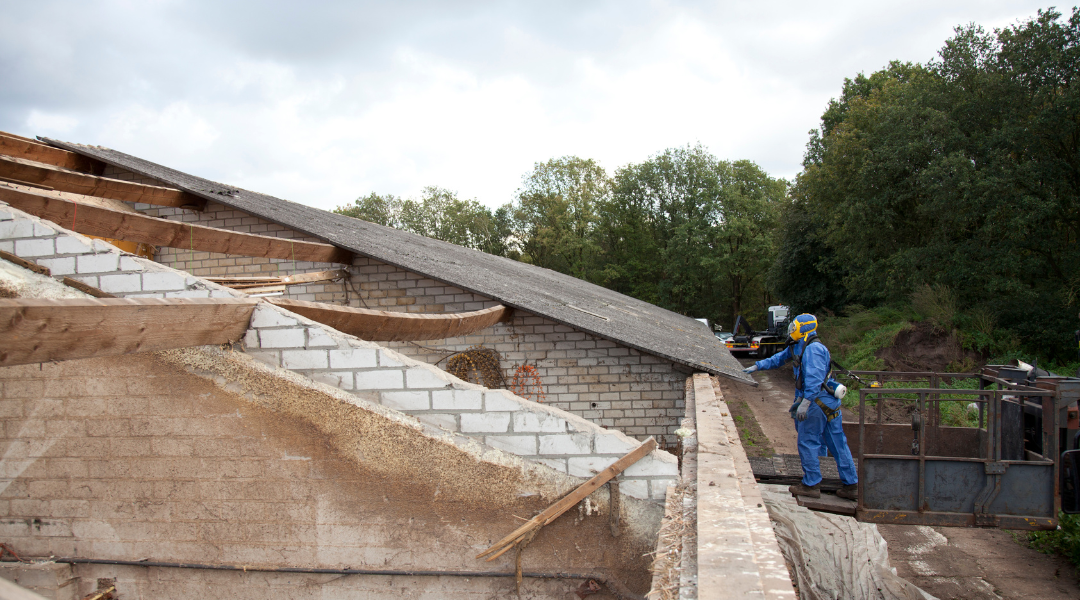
776,360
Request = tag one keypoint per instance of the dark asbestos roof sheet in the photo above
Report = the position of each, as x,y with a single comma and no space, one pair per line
544,292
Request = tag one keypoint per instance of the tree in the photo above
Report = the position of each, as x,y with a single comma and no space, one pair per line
438,214
556,214
690,233
962,172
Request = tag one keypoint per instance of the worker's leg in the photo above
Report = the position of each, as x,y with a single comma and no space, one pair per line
810,432
838,447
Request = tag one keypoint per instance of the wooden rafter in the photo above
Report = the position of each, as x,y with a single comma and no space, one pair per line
386,326
40,330
132,227
20,147
91,185
568,501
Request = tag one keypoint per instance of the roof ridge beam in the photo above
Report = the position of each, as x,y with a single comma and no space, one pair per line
133,227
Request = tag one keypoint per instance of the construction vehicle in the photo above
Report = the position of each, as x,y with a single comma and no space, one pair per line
761,344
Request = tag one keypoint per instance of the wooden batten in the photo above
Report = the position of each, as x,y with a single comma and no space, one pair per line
133,227
42,330
91,185
20,147
386,326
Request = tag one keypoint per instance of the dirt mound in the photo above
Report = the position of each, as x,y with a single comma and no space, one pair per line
921,348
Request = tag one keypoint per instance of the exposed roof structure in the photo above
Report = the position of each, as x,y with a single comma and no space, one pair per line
579,304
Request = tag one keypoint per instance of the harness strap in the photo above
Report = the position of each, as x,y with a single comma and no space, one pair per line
830,414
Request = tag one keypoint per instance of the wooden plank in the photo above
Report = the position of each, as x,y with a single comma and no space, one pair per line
135,227
41,330
22,262
828,503
570,500
86,289
242,283
264,290
91,185
314,277
387,326
22,148
26,183
20,137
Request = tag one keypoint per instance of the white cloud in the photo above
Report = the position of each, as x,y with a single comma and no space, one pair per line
325,102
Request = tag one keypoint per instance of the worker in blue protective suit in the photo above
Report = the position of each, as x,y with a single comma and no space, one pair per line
816,409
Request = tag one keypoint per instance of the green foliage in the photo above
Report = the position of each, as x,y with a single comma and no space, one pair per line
1064,540
691,233
961,174
855,338
935,304
438,214
555,217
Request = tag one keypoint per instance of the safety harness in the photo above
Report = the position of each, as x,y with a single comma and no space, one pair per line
800,382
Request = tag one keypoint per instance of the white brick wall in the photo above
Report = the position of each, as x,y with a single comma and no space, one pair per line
561,440
499,419
600,380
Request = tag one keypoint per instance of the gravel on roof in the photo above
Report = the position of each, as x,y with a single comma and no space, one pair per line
568,300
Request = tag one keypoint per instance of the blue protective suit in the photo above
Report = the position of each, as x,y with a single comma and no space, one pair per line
816,433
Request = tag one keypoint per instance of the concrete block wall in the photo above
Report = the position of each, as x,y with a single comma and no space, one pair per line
102,461
558,439
49,580
282,339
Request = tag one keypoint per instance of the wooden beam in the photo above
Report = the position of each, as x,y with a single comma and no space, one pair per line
135,227
86,289
41,330
22,148
386,326
91,185
568,501
239,283
22,262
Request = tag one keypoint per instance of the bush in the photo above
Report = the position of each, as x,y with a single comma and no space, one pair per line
1064,540
936,304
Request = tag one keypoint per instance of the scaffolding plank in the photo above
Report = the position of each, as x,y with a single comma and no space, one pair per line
132,227
91,185
387,326
41,330
22,148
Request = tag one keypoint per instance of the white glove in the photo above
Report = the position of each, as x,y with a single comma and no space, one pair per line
750,369
840,392
804,406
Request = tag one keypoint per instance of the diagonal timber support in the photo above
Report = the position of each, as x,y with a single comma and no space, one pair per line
21,147
91,185
132,227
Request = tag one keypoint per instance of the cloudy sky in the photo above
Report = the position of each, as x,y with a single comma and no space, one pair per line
322,102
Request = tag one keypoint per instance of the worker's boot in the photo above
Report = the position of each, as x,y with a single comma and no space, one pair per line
850,491
805,490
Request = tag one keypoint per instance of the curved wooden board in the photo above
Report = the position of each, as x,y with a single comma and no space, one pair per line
386,326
